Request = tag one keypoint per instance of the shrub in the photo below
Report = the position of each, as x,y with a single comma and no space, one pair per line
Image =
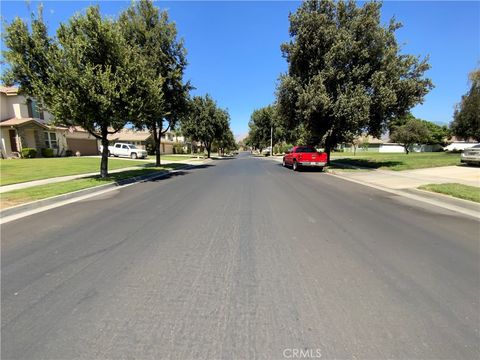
150,149
68,153
178,148
281,148
29,153
47,152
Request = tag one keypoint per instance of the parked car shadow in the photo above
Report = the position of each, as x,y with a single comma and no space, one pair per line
303,169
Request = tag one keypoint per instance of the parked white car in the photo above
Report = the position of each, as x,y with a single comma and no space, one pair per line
126,150
459,146
471,155
267,151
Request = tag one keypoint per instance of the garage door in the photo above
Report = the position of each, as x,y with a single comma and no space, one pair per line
85,146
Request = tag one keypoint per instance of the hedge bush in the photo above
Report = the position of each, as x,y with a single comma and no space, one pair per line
178,148
29,153
281,148
47,152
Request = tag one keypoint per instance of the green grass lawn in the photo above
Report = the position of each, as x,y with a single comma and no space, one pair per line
461,191
23,170
396,161
16,197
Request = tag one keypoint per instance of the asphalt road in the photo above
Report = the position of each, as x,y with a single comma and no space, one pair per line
242,259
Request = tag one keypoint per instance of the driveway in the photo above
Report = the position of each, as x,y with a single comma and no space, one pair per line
242,259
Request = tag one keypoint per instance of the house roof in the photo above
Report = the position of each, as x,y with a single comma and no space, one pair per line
22,121
40,122
134,135
70,128
9,90
129,135
369,139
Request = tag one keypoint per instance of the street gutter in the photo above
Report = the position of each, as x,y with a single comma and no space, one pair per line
461,206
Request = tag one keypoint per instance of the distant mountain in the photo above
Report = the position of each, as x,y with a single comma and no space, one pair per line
239,137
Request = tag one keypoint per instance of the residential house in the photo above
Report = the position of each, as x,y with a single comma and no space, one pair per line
144,140
23,124
368,143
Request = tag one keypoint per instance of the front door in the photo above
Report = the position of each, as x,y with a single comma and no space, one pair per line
13,140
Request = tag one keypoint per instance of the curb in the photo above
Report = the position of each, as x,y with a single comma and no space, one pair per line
52,201
417,195
461,206
448,198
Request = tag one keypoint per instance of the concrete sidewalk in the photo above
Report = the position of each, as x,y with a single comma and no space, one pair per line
409,179
24,185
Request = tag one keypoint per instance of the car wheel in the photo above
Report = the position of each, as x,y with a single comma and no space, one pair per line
133,155
295,165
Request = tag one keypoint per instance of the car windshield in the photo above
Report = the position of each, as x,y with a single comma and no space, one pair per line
305,149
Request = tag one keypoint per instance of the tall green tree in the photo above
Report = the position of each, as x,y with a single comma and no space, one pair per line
466,123
346,74
414,131
260,127
164,98
438,134
86,75
226,142
205,121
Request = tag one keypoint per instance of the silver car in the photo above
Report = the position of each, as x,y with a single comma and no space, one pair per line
471,155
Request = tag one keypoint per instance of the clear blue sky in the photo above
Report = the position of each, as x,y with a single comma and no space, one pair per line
234,47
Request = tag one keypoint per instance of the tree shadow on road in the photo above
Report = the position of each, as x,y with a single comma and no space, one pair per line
170,175
224,158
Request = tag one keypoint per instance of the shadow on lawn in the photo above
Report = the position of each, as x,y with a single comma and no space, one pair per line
364,163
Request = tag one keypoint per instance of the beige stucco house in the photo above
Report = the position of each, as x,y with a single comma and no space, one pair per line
23,124
143,139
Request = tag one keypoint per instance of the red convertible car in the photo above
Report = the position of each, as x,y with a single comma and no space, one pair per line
300,156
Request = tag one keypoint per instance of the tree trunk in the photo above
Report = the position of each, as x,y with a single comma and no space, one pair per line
209,147
104,162
406,149
156,145
157,151
328,150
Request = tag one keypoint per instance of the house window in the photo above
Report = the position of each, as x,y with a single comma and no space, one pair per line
34,110
51,140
